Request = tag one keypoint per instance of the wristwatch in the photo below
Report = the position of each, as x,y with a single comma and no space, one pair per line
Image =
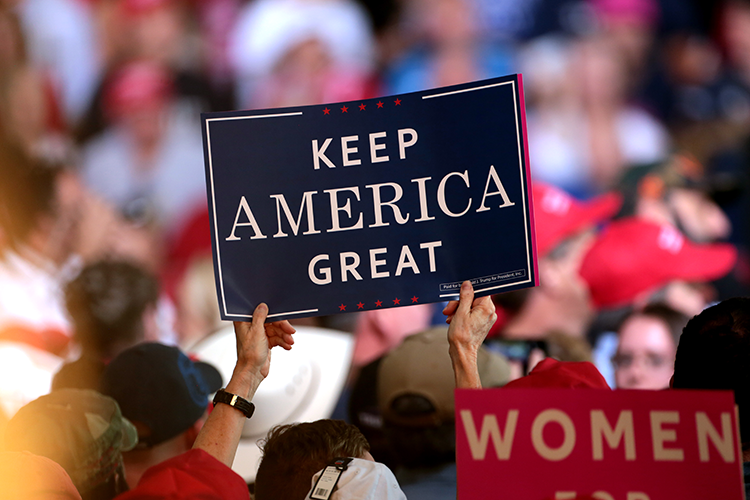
234,401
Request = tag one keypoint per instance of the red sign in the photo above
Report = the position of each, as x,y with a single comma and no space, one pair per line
558,444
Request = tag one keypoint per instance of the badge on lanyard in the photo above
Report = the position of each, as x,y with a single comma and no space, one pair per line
327,481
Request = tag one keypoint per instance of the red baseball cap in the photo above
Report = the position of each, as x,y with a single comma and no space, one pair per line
551,373
632,256
558,215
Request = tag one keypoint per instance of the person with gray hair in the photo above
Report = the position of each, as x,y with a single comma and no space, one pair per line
294,455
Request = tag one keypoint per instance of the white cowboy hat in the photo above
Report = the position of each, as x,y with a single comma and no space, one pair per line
303,384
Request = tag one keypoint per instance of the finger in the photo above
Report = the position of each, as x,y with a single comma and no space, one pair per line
285,340
275,330
284,326
484,303
466,298
276,341
450,308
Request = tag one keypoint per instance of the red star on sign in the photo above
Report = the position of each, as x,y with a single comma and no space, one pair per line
342,307
326,111
378,303
344,109
414,299
360,306
380,104
397,301
362,106
398,102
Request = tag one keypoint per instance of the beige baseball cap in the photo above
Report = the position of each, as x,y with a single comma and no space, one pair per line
421,366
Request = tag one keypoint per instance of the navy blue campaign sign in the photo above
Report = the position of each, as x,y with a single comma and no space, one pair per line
370,204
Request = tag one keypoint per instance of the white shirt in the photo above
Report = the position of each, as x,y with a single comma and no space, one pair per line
174,185
31,295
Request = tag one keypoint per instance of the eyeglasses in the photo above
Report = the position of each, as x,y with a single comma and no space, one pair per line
651,361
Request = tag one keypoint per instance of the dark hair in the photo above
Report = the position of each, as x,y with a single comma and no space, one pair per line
674,320
714,353
106,302
293,453
114,485
512,302
27,192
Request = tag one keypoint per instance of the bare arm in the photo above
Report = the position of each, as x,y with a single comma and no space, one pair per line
221,433
470,320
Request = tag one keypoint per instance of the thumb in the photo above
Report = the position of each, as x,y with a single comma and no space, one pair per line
466,298
260,313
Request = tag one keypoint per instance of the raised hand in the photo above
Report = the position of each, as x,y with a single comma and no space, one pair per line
470,320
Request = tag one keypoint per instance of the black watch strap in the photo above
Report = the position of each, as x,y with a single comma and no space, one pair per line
234,401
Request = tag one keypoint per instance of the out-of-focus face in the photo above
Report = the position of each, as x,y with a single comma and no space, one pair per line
159,34
145,123
645,354
446,22
601,73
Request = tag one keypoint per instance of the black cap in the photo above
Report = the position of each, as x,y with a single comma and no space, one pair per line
159,387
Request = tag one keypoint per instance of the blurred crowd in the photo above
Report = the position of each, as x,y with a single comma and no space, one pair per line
639,144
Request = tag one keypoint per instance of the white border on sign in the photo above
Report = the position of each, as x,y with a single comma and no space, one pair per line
299,113
213,202
520,166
